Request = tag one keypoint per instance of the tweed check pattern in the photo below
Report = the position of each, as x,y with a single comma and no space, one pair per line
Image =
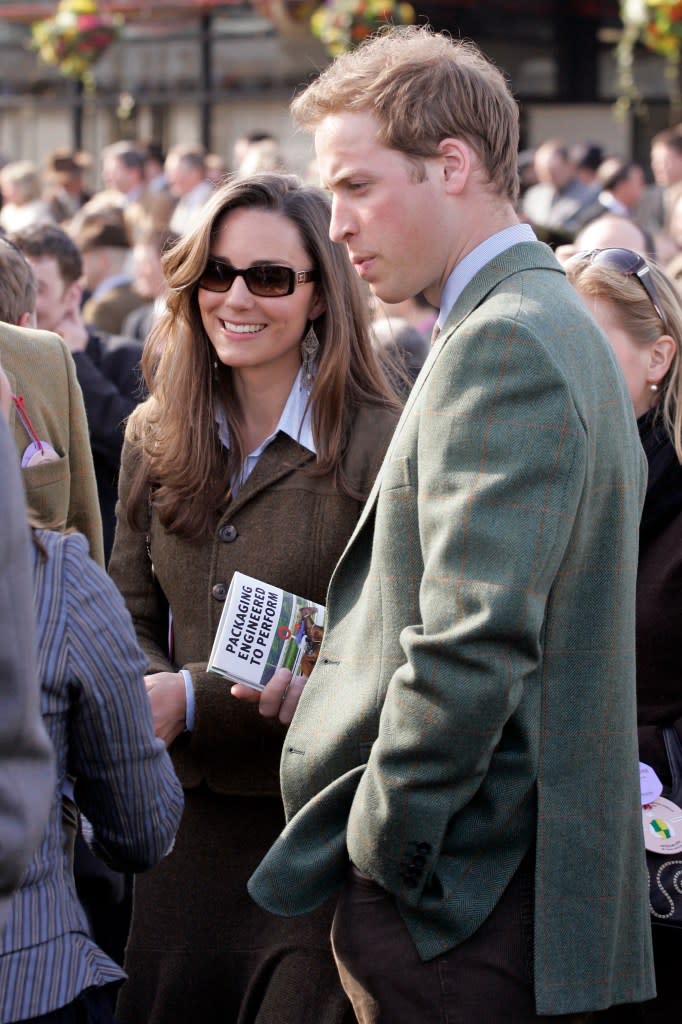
474,695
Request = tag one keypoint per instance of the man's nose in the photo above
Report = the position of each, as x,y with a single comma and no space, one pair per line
341,226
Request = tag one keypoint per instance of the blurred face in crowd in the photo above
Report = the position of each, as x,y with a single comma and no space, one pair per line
666,164
630,190
117,176
181,176
552,168
11,193
675,222
54,298
147,272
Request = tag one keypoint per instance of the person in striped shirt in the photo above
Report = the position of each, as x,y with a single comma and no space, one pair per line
97,715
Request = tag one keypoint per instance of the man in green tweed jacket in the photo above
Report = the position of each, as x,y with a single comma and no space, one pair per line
462,766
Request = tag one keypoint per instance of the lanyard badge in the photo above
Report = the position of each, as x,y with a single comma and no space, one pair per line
37,451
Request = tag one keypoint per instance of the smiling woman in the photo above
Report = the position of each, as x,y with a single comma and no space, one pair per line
267,420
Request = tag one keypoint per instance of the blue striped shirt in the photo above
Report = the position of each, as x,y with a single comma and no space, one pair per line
97,713
466,269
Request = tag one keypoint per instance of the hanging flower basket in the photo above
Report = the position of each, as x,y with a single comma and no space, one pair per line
342,24
75,38
663,28
291,18
657,24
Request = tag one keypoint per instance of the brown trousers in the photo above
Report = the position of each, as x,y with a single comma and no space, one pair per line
488,978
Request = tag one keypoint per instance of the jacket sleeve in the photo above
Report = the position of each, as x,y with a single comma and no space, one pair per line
131,569
125,785
26,761
84,512
490,474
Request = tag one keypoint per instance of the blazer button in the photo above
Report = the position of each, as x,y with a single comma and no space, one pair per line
219,591
423,847
228,533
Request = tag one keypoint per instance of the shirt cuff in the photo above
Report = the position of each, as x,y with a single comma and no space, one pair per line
189,699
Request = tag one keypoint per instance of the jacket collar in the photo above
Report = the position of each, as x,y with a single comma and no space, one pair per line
522,257
281,457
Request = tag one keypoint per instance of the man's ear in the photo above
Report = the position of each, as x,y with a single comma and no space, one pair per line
27,320
661,355
74,295
456,164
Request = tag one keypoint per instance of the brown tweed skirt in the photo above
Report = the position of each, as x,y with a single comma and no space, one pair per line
200,950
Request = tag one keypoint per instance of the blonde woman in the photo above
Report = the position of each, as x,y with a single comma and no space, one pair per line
640,311
22,203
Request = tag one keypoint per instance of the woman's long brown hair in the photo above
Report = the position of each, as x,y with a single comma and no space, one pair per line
180,458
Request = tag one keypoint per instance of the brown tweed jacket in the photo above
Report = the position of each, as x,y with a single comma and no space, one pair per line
63,493
285,527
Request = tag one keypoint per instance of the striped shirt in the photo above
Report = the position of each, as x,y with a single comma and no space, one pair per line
97,713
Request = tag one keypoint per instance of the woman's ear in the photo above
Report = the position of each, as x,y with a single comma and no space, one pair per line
318,307
661,355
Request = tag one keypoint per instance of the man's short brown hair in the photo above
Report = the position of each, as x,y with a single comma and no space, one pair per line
17,283
423,87
44,241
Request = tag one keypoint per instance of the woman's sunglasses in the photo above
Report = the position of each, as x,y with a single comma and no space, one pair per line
630,263
267,281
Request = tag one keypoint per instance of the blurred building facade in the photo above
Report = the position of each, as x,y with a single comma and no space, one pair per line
209,71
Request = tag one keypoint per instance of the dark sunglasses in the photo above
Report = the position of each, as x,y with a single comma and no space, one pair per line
630,263
268,281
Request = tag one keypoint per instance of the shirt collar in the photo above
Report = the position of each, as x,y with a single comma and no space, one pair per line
612,204
295,421
466,270
115,281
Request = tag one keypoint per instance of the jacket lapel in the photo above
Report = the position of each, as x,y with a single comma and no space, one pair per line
280,458
521,257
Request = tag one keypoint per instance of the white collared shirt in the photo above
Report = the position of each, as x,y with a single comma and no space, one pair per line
613,205
295,422
114,281
475,260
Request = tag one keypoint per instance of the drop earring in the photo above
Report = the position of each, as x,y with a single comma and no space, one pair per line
310,346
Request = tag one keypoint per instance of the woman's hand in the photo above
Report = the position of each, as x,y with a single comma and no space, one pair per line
166,692
278,699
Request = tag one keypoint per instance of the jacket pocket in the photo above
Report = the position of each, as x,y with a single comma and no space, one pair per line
48,490
397,474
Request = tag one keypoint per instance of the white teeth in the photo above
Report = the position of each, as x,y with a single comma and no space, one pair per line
243,328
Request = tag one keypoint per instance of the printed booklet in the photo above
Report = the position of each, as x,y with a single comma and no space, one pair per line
263,628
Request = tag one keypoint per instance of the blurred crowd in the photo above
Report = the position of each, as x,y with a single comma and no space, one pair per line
96,256
104,269
584,197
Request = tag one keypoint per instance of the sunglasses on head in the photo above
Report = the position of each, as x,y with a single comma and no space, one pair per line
270,280
630,263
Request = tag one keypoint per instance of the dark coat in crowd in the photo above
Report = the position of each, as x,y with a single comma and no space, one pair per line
109,374
659,598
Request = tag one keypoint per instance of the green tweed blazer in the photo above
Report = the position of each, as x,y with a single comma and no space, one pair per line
62,493
474,697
